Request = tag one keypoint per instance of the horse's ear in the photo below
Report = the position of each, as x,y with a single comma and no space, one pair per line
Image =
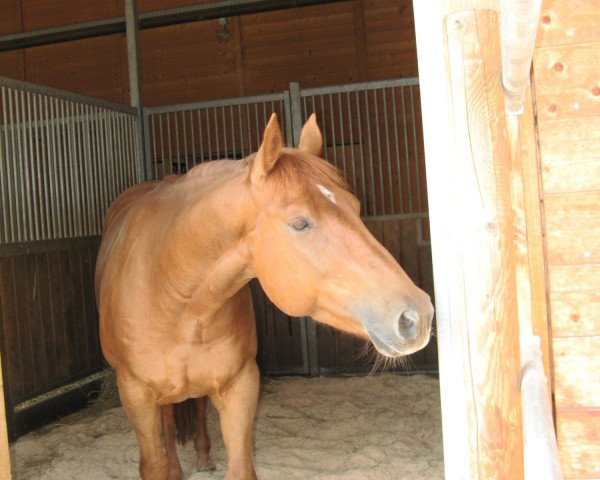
269,151
311,140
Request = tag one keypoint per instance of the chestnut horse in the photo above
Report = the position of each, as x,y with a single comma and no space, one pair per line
176,317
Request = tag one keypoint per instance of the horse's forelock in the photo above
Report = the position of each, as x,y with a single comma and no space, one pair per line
296,168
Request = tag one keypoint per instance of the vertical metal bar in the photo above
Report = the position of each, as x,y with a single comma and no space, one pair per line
249,129
32,165
74,170
234,152
351,125
362,157
370,147
287,105
99,164
256,126
5,187
201,137
162,144
379,162
185,147
208,136
296,112
177,142
264,109
118,130
332,123
341,119
224,126
406,155
53,167
20,174
242,150
169,146
44,160
65,168
11,164
131,29
193,134
388,157
91,194
397,143
325,142
155,148
415,143
41,233
217,139
82,214
106,159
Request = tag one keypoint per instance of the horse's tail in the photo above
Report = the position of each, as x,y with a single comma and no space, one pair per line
185,420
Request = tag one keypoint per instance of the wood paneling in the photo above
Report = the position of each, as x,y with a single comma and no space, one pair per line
10,20
569,81
579,441
577,139
568,22
573,228
576,367
41,14
575,300
48,321
93,66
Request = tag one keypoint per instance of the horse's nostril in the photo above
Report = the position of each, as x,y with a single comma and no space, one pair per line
407,325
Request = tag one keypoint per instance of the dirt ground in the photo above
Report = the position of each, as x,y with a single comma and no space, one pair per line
357,428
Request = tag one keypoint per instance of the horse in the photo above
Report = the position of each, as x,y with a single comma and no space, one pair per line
176,315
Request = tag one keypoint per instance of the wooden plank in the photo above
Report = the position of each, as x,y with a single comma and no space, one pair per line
361,41
574,300
569,137
572,228
576,365
10,20
580,462
568,22
478,336
566,81
578,427
570,174
39,14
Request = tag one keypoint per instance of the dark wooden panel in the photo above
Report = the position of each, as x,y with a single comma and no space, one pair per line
10,20
48,323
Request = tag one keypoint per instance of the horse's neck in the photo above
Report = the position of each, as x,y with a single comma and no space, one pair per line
207,253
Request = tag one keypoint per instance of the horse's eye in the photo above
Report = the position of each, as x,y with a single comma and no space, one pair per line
300,224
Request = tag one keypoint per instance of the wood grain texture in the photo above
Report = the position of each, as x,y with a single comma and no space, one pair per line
482,169
579,442
575,379
567,81
580,462
4,451
573,228
40,14
575,300
566,22
569,138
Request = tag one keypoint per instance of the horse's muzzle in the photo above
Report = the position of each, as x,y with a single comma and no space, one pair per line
410,332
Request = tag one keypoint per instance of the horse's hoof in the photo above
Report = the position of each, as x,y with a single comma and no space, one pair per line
175,474
204,464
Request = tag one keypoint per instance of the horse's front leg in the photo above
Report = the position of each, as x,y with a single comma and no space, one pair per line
237,408
202,441
144,414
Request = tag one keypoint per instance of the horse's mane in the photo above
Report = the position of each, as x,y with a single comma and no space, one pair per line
212,168
295,167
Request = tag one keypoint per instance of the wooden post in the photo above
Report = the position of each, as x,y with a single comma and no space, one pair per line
469,174
4,451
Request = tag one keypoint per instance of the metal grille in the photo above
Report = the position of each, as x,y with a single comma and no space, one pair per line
63,159
371,132
183,136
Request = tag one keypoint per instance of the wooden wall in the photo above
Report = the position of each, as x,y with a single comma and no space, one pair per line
319,45
567,95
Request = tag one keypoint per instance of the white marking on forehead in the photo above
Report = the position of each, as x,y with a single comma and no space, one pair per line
328,193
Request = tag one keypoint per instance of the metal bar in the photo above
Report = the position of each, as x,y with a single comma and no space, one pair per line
325,142
20,85
380,163
239,115
169,149
226,150
350,115
177,150
416,147
20,178
53,167
295,112
372,169
32,166
406,155
341,117
208,135
40,190
99,164
192,131
362,156
131,30
75,202
173,16
397,143
387,150
90,195
201,136
185,148
249,129
4,175
359,87
235,155
287,113
332,123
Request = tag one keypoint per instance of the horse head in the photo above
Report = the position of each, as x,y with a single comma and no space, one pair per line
314,256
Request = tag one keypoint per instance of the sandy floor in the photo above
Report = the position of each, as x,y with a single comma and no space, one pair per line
359,428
